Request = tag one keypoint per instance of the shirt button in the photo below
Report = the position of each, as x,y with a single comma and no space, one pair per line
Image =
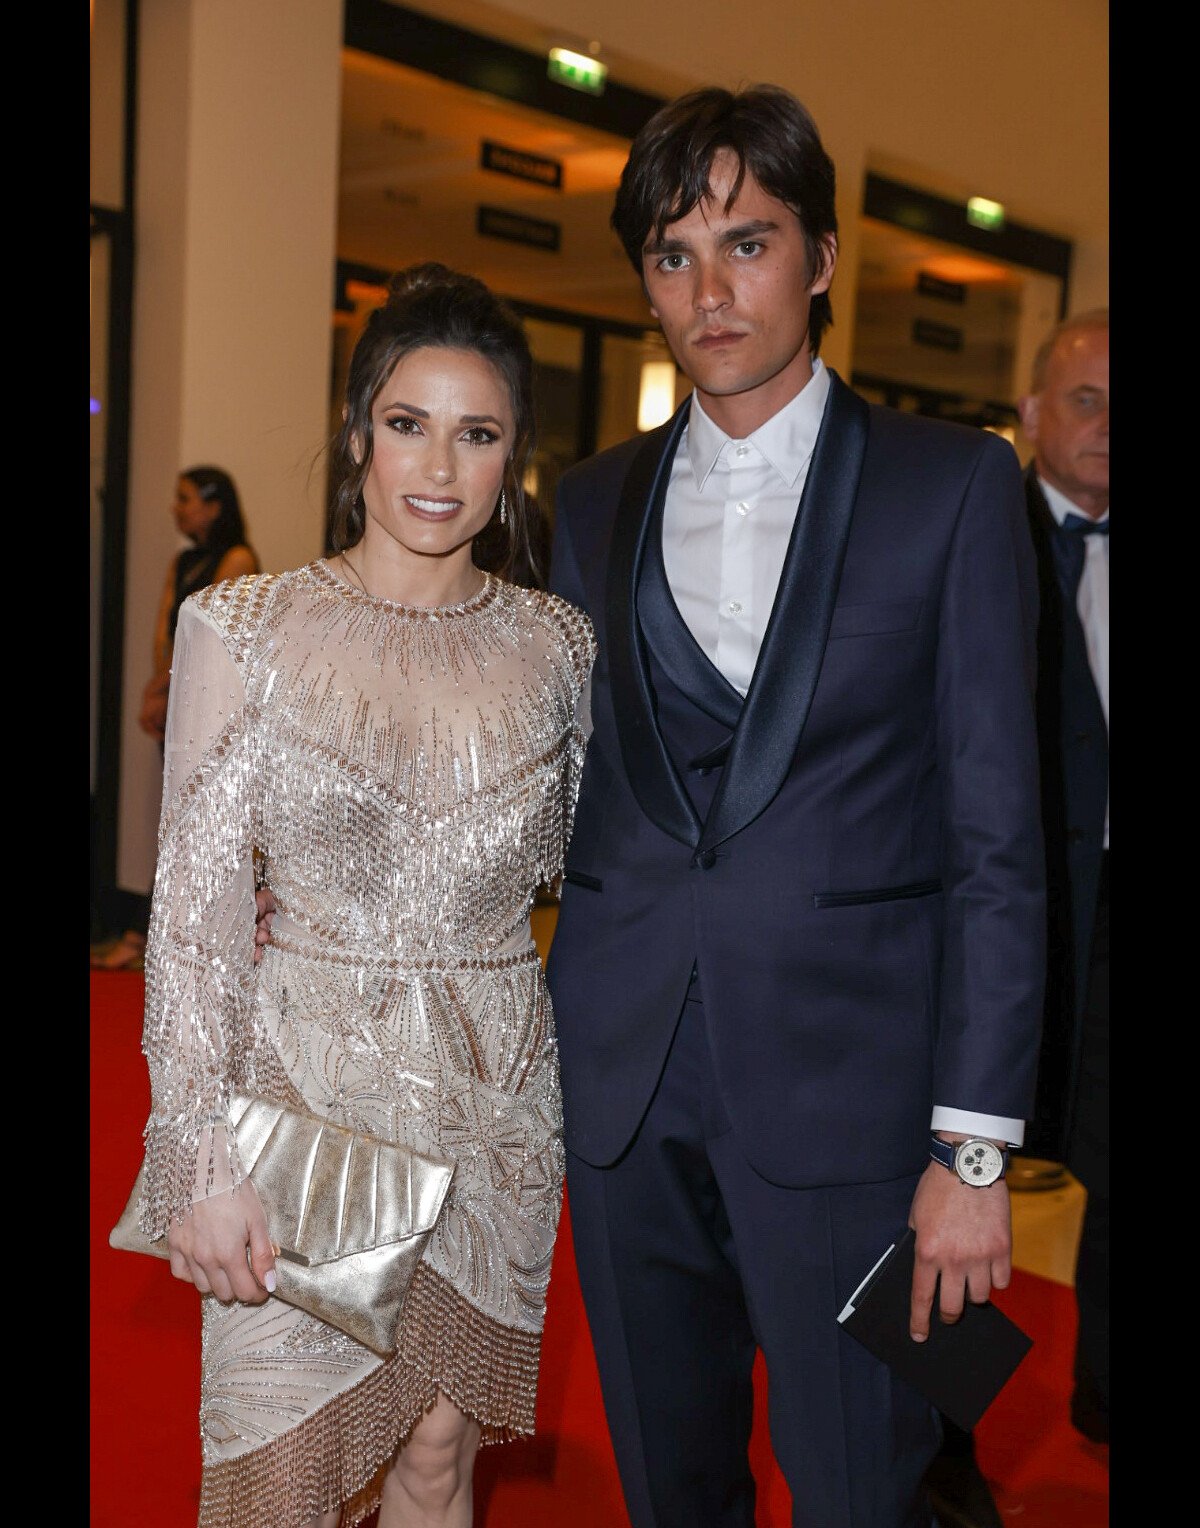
742,450
743,508
734,607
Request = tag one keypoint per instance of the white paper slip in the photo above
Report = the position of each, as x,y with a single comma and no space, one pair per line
849,1306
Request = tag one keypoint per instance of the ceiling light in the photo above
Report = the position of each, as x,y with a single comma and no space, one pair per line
656,394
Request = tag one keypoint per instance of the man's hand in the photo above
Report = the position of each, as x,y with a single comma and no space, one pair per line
965,1235
264,910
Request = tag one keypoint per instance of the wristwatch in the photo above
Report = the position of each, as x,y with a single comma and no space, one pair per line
977,1163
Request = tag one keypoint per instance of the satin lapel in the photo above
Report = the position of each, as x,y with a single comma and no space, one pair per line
1041,518
1043,527
789,662
673,645
653,777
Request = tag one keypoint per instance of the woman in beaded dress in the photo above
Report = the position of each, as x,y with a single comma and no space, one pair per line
396,734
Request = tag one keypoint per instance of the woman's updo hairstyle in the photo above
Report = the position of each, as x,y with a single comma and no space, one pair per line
431,305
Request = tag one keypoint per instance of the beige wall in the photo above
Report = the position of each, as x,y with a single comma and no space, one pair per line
106,141
234,239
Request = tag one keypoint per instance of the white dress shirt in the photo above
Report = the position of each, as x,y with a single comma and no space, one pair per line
729,513
727,520
1091,602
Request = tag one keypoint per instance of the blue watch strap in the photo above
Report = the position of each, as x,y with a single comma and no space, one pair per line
943,1152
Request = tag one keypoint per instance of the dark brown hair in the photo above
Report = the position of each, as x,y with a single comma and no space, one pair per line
215,486
431,305
772,136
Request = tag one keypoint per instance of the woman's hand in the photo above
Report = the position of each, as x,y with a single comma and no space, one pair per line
264,911
209,1247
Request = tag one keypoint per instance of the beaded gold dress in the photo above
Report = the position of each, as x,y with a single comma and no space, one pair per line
405,780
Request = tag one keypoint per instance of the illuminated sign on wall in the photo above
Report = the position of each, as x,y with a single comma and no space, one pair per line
577,71
984,214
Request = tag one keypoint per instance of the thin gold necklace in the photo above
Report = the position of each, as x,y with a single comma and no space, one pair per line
349,566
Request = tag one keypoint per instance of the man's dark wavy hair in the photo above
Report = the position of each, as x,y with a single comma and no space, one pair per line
773,137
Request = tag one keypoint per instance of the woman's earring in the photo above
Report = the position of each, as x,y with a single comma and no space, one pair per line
503,509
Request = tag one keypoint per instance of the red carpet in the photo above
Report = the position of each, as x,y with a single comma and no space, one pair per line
145,1450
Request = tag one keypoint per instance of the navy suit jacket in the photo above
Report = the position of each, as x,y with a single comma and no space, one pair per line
1073,740
864,898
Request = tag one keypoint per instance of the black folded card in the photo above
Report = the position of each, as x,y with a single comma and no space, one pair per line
960,1367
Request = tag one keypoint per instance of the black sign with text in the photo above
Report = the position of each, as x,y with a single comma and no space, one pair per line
946,291
940,336
523,166
496,223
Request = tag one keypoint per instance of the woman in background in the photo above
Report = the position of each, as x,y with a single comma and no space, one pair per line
209,513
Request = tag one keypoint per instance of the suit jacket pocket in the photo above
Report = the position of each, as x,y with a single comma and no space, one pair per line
589,882
879,894
875,619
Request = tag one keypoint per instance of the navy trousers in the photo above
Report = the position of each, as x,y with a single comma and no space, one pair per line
689,1260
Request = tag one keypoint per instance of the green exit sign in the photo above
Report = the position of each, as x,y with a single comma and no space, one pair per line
984,214
577,71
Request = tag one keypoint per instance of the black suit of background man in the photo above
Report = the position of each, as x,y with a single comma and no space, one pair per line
1067,488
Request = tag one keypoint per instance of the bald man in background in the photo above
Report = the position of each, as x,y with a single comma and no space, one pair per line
1065,417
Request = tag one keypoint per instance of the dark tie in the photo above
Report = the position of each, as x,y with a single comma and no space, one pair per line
1080,525
1070,549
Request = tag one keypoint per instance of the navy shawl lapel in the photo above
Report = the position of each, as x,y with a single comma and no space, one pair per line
652,775
673,644
793,648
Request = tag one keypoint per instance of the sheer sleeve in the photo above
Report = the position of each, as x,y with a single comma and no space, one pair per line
199,956
582,647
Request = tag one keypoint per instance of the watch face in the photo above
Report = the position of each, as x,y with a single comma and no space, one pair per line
978,1163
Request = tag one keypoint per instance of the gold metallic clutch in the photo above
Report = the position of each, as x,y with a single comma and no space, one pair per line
350,1214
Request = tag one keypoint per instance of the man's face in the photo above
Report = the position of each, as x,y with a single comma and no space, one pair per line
1067,421
732,292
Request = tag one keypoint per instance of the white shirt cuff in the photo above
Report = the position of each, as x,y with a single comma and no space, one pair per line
992,1126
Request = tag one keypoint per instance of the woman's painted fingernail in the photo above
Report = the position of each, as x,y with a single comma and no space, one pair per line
269,1281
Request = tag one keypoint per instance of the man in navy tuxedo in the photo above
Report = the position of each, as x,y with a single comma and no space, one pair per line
1065,417
798,963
